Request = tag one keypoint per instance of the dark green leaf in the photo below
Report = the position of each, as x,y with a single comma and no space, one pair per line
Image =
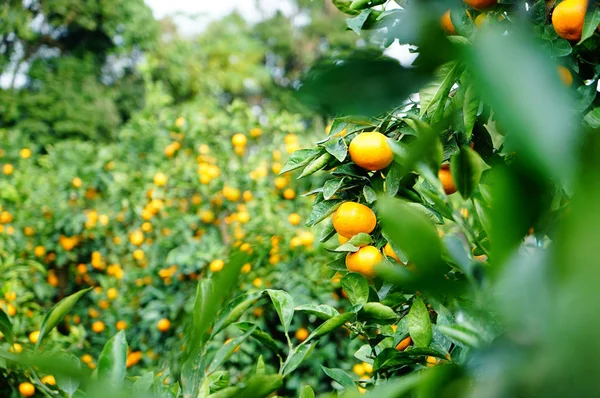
466,171
316,165
590,23
260,336
6,326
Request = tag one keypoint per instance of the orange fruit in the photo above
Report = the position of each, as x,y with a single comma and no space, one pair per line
404,344
364,261
447,24
49,379
160,179
289,194
446,179
120,325
34,336
352,218
26,389
239,140
294,219
567,19
301,334
388,251
565,75
371,151
216,265
481,4
163,325
342,239
98,327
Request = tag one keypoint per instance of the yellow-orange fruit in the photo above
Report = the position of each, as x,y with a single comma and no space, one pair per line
352,218
568,17
364,261
371,151
446,179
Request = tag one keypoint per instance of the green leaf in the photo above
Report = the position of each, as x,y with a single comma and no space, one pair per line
67,383
361,239
6,326
393,178
112,361
57,313
592,118
322,311
356,287
358,21
298,356
462,335
299,158
470,107
260,386
435,94
316,165
210,294
379,312
322,210
331,186
590,23
369,194
419,324
260,336
330,325
307,392
466,171
538,120
340,375
227,350
218,380
337,148
284,305
260,366
233,310
204,390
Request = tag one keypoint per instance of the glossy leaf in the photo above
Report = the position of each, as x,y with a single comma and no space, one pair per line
331,187
112,361
340,375
466,171
66,382
284,305
330,325
57,313
590,23
379,312
419,324
356,287
298,356
322,311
